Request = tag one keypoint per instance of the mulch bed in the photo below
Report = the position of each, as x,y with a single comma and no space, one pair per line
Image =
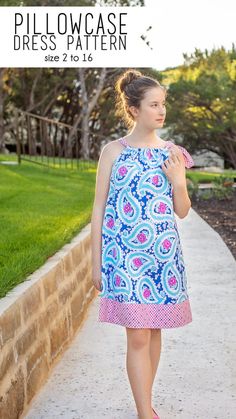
220,215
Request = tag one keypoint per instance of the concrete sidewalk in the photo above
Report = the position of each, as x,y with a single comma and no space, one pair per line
196,378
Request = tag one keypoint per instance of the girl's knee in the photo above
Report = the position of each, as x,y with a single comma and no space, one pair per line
138,338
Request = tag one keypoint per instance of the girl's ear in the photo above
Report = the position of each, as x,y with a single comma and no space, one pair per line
134,111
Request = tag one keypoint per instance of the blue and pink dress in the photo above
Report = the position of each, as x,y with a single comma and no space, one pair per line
143,274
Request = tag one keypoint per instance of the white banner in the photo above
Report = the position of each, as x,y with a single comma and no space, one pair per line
77,37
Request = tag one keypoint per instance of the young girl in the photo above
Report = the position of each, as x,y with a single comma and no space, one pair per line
137,256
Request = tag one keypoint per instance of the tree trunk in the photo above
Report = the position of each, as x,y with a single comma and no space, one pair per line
87,108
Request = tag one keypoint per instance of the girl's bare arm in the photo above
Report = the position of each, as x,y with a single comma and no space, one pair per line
174,168
182,202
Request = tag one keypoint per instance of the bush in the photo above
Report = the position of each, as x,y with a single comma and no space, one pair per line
222,188
193,189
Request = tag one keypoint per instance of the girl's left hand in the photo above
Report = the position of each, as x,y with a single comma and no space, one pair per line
174,166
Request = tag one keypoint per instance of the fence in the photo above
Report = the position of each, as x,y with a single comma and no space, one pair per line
48,142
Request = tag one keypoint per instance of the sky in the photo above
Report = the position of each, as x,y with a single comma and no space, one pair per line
183,25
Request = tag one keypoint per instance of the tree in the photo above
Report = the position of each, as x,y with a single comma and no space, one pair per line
202,102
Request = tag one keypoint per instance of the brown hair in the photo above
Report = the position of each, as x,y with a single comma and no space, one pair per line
130,89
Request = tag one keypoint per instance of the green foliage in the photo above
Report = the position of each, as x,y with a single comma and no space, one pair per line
202,102
222,185
221,189
192,188
220,192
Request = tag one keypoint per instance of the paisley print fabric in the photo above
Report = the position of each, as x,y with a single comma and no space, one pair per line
144,282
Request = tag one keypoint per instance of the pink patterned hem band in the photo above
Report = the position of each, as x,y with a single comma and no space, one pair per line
154,316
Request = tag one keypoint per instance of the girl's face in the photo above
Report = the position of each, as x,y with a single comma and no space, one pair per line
152,110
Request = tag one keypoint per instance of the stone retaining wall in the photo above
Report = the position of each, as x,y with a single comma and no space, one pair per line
39,318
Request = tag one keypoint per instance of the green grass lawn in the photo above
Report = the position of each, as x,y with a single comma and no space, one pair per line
205,177
41,210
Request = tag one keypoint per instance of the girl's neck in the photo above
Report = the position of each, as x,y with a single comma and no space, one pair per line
144,139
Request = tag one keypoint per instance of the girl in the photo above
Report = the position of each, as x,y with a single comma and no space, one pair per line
137,256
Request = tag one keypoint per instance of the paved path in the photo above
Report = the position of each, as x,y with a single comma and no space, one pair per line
196,378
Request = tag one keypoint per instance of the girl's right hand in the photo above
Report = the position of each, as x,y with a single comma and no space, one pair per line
97,282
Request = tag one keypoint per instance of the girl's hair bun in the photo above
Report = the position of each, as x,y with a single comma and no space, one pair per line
127,78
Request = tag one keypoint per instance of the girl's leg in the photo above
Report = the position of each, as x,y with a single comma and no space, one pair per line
155,350
139,368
